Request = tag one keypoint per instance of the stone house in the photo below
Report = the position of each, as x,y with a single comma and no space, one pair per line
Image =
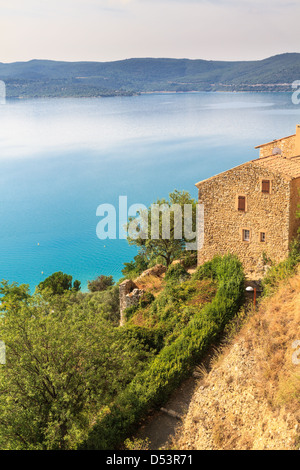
250,210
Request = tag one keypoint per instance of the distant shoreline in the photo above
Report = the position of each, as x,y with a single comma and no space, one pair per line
166,92
131,77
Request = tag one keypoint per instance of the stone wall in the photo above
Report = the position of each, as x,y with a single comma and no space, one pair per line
158,270
295,201
287,147
125,288
224,223
131,291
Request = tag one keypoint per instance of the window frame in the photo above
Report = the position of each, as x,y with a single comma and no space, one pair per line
261,234
243,231
237,205
266,179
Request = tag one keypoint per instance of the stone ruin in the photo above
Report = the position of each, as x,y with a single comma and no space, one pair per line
130,292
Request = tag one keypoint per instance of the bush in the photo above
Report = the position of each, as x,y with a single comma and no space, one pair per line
146,299
130,311
58,283
176,273
152,339
207,270
282,270
189,259
101,283
134,268
152,386
106,303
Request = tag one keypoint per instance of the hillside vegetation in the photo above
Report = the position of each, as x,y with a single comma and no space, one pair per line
45,78
250,398
73,378
180,351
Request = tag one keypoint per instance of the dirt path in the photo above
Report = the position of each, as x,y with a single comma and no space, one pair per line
160,428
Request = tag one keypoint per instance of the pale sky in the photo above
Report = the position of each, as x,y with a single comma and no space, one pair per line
106,30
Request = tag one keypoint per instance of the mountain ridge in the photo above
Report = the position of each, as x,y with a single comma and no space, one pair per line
50,78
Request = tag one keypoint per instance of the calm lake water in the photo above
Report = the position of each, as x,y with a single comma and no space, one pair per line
62,158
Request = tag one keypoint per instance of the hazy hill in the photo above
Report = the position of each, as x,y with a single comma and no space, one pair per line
54,78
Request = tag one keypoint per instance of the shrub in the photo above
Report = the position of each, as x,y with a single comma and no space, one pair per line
146,299
152,339
101,283
189,259
58,283
130,311
176,273
283,270
207,270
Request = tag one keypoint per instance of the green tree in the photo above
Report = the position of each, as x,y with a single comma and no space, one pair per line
101,283
13,293
58,283
163,247
64,365
134,268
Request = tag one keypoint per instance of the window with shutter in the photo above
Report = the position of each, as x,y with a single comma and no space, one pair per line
262,237
242,203
265,186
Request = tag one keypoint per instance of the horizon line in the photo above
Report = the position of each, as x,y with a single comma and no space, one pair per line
146,58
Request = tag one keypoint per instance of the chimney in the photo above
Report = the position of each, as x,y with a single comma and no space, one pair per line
297,143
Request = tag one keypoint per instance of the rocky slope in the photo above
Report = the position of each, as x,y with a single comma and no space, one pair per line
250,397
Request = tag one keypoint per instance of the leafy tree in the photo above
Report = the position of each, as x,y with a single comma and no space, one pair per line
164,247
13,293
134,268
105,303
101,283
58,283
64,365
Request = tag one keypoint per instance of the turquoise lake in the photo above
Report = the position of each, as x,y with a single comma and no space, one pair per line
62,158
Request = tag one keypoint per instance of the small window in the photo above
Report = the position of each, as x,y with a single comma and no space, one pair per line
262,237
246,235
242,203
265,186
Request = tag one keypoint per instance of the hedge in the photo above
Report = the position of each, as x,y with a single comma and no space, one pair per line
151,387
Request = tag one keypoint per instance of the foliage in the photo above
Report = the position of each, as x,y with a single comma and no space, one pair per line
149,338
153,385
64,365
207,270
100,283
137,444
283,270
58,283
146,299
176,273
189,259
13,293
105,303
164,247
134,268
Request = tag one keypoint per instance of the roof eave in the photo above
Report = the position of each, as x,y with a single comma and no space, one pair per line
275,140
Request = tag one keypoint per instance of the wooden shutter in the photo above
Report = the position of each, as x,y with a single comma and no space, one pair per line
265,187
262,237
242,203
